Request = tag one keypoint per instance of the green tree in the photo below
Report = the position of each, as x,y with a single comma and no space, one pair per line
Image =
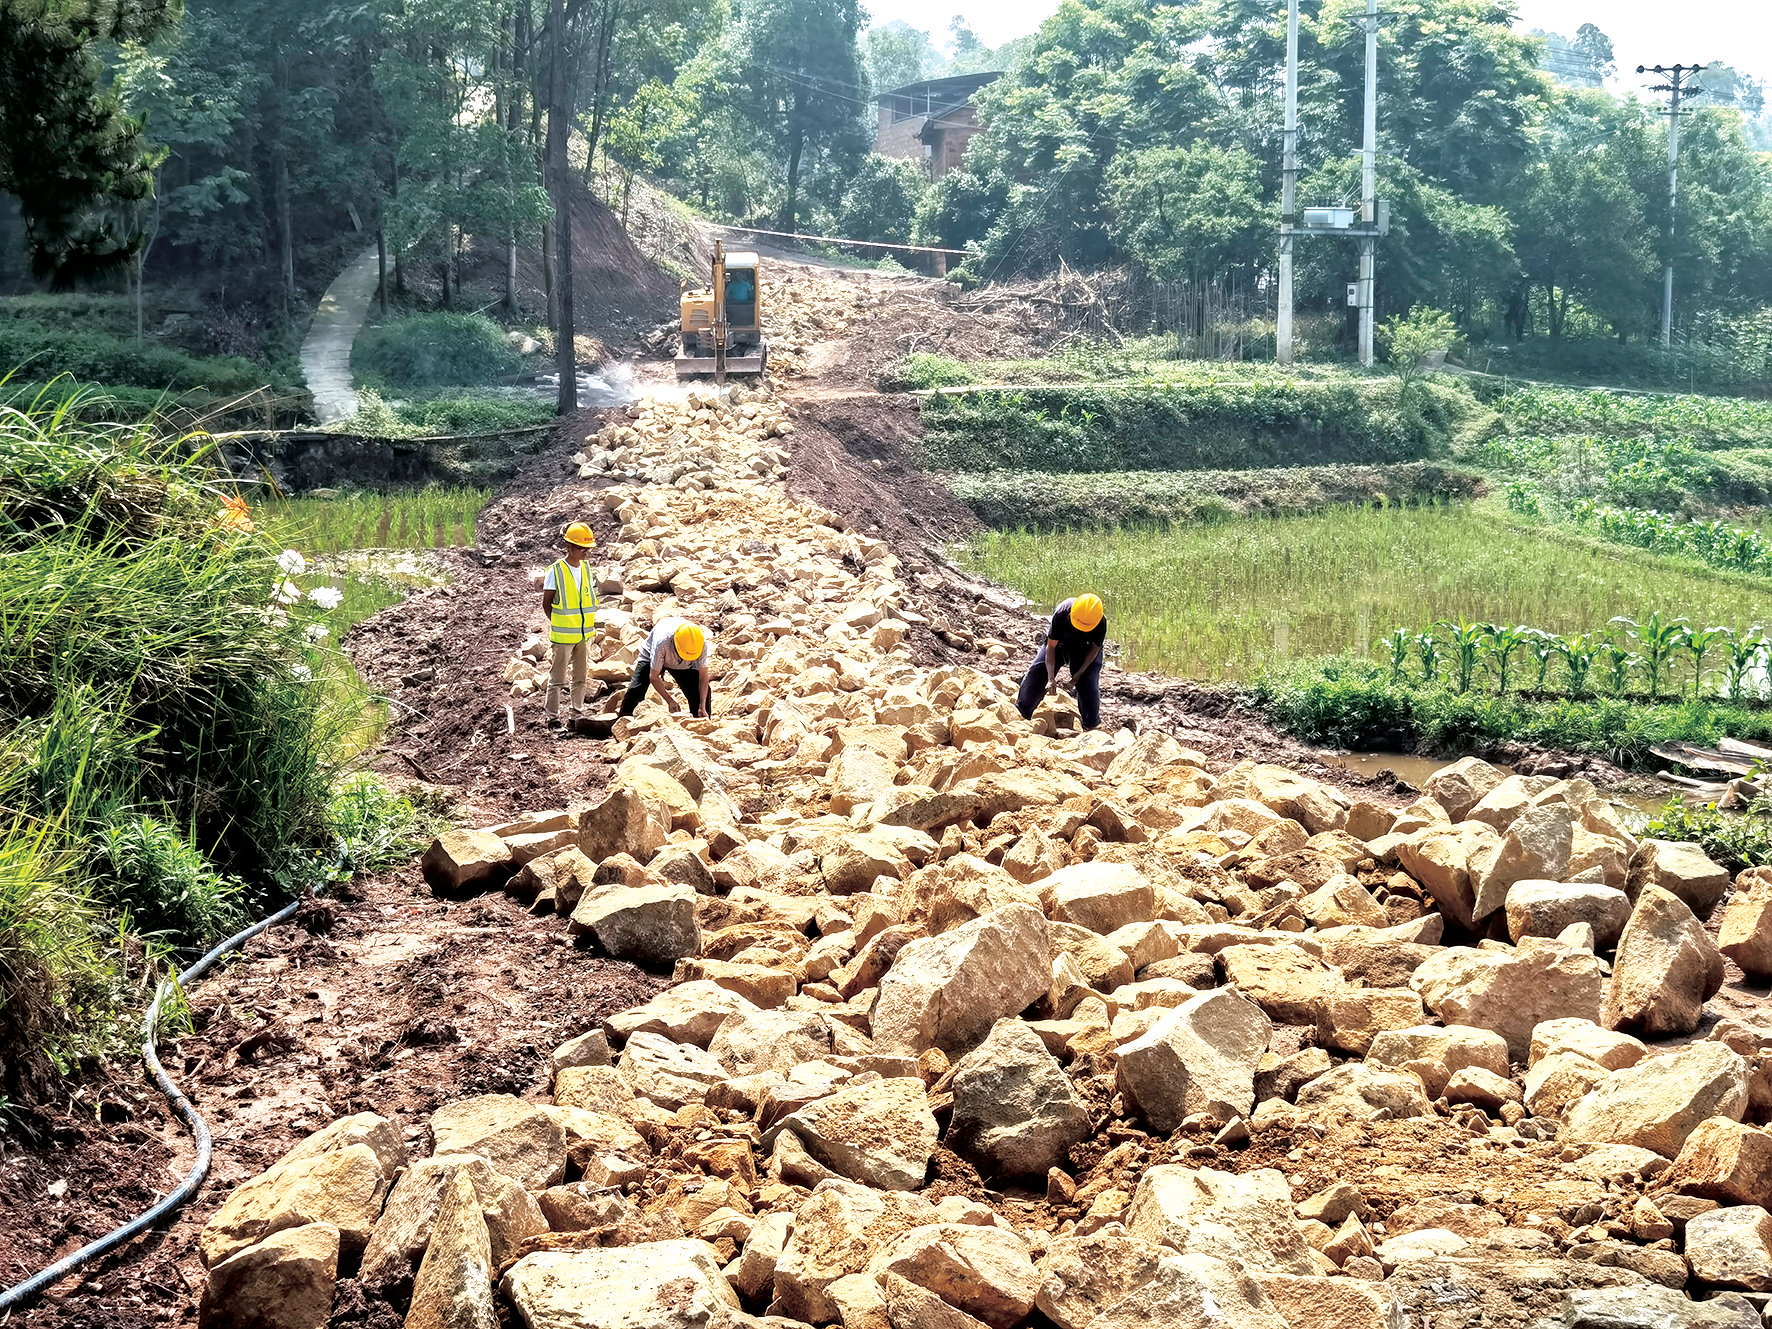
69,150
881,200
802,64
898,54
1189,211
1408,341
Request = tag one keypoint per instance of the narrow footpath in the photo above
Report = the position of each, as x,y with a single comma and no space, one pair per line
326,353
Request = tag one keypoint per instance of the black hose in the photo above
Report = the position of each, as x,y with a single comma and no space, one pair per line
180,1104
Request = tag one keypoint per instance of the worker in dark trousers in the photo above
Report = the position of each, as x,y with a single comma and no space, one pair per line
1074,637
679,648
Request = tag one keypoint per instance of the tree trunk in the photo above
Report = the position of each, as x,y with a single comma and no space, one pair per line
448,264
381,267
550,292
559,123
286,261
797,138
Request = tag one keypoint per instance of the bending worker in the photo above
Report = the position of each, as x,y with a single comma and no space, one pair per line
1075,637
678,648
569,599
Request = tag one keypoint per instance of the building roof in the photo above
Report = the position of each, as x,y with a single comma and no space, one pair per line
941,91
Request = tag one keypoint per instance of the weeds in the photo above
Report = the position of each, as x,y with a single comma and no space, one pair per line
435,518
433,351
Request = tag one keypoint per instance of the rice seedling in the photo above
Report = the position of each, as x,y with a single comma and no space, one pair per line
438,517
1207,602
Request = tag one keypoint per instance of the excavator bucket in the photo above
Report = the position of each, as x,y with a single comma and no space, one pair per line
690,366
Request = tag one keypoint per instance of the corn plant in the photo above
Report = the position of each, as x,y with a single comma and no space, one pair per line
1398,644
1746,650
1503,642
1658,640
1542,647
1579,650
1429,650
1619,663
1466,640
1699,643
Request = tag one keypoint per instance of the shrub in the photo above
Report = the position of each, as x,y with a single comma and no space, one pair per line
97,357
435,350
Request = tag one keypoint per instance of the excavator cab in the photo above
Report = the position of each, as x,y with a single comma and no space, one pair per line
722,327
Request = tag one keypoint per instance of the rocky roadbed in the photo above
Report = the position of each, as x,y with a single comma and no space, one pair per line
969,1020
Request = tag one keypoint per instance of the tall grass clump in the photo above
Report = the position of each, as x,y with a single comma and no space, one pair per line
170,737
434,351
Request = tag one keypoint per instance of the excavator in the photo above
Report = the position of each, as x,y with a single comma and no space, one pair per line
722,321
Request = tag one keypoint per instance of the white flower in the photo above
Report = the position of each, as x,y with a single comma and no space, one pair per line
317,632
327,597
292,563
286,594
301,673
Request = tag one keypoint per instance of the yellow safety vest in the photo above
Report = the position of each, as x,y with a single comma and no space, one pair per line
574,617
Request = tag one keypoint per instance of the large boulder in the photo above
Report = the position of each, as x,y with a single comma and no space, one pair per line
1287,982
518,1139
948,991
1461,786
453,1289
1333,1303
1083,1276
834,1231
983,1271
1649,1306
369,1128
759,1041
1745,932
1725,1161
1433,1054
284,1282
1545,908
403,1231
1732,1247
651,924
1015,1110
1348,1021
859,774
880,1133
1440,858
1200,1056
654,1285
1195,1291
1665,970
342,1188
1311,803
1358,1091
627,821
1584,1038
1535,847
1681,868
1659,1102
1206,1212
459,859
672,1075
1102,897
1511,992
689,1012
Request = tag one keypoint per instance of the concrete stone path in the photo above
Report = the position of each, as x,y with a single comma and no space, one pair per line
326,353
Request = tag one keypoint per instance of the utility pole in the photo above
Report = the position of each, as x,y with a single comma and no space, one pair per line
1676,88
1288,190
1369,184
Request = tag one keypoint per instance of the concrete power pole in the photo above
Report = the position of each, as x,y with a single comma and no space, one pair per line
1369,184
1675,88
1288,190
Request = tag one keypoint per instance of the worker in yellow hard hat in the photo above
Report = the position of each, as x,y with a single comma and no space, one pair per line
569,599
1075,637
677,647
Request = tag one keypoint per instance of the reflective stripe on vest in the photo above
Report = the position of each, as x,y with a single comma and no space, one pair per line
574,616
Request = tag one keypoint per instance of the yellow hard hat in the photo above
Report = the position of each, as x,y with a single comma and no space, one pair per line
580,534
689,642
1086,612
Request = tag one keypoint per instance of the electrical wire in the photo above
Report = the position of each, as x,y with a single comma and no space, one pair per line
182,1193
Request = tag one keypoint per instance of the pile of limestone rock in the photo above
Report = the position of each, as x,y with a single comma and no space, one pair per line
696,441
982,1021
799,312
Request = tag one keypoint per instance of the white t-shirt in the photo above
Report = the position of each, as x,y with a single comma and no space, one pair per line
580,575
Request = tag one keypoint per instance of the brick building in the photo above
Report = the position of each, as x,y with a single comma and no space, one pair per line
931,121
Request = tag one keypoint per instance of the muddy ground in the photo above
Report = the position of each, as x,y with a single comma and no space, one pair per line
392,1000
